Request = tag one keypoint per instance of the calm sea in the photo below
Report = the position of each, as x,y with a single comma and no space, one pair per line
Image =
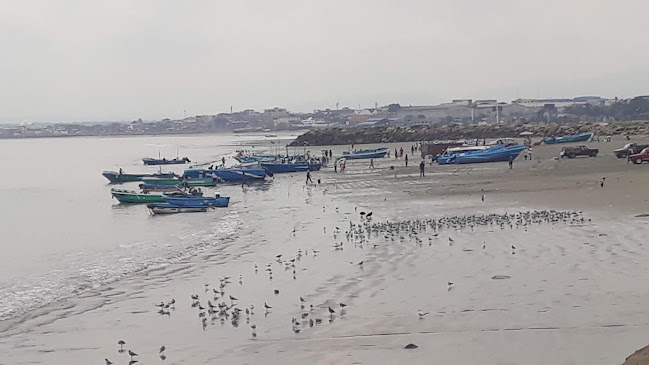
61,230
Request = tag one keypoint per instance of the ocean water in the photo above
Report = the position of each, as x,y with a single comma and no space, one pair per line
63,233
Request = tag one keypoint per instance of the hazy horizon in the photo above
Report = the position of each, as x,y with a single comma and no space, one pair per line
86,61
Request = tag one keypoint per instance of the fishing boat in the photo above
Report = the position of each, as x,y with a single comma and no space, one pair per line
360,154
206,181
132,197
190,200
297,166
480,154
228,174
146,188
582,137
166,208
164,161
121,177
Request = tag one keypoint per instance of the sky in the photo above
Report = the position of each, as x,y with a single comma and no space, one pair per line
80,60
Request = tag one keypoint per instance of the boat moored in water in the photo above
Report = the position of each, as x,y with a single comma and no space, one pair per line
132,197
227,174
164,161
166,208
120,177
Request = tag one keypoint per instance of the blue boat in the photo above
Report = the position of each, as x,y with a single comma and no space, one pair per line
190,201
479,155
360,154
227,175
298,166
582,137
166,208
118,177
164,161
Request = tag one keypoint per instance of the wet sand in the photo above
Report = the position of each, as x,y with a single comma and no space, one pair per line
570,292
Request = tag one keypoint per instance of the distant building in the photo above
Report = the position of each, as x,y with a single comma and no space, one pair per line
276,113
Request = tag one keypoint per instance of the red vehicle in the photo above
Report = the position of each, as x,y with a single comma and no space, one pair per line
640,157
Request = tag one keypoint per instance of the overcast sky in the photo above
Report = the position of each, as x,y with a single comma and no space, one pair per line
122,60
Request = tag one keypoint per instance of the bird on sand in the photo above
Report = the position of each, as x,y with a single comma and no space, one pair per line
342,305
267,306
132,362
450,285
450,241
121,344
162,349
368,215
131,354
421,314
108,362
331,311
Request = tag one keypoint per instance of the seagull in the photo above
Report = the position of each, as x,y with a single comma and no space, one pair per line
131,354
450,285
421,314
342,305
267,306
368,215
108,362
276,291
450,241
162,349
331,311
302,300
121,344
132,362
233,298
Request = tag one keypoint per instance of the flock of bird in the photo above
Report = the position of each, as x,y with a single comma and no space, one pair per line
217,305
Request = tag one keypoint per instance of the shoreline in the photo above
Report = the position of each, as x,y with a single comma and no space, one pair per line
544,300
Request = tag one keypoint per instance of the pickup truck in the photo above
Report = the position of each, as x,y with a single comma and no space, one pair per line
629,149
640,157
572,152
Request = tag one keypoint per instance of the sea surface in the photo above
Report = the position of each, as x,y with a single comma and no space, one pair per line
62,232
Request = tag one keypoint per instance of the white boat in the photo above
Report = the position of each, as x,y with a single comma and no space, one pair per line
173,209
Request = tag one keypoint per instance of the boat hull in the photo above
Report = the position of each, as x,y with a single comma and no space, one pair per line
582,137
493,154
227,175
278,168
365,154
154,161
117,178
166,208
131,197
190,201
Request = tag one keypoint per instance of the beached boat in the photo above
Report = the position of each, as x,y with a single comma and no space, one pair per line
227,175
582,137
360,154
480,154
298,166
164,161
120,177
189,200
166,208
127,196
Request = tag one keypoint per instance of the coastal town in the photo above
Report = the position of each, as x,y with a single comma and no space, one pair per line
459,112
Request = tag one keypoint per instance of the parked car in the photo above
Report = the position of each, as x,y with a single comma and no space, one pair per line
572,152
640,157
629,149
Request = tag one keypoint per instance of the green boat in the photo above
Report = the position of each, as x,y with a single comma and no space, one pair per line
127,196
186,182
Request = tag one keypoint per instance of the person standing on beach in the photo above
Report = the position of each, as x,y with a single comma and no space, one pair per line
396,154
511,162
401,151
421,168
308,177
406,160
371,163
529,153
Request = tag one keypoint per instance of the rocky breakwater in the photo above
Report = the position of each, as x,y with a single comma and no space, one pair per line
341,136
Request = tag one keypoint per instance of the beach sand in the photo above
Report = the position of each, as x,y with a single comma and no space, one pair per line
570,292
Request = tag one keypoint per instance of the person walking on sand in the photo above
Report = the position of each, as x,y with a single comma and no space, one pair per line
396,154
529,153
401,151
421,168
511,162
371,163
406,160
308,177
